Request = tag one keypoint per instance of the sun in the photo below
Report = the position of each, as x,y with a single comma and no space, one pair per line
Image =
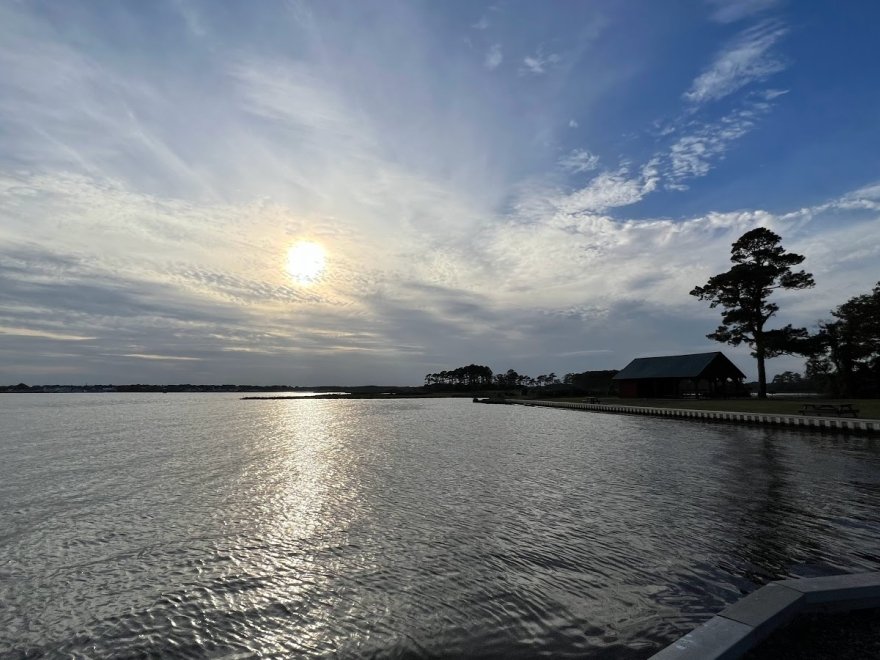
305,262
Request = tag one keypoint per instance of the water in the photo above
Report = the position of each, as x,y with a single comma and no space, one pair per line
202,525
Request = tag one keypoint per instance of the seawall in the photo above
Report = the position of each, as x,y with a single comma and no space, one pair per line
806,422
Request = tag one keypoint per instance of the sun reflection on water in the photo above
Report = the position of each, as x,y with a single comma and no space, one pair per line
310,504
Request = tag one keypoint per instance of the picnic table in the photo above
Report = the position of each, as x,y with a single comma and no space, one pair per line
830,409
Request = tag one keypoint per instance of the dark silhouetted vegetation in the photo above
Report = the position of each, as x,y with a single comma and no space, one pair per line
596,383
846,351
760,266
475,377
789,382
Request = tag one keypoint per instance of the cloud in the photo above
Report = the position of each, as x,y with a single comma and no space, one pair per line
538,63
579,160
770,94
494,57
481,24
150,356
543,269
730,11
609,190
870,193
661,260
693,155
746,60
45,78
146,208
191,18
290,92
702,144
44,334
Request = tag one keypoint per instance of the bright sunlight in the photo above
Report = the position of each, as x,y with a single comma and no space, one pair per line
305,262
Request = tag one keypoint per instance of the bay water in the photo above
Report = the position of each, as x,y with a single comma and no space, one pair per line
203,525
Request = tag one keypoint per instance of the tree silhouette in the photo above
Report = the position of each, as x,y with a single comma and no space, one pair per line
760,266
847,352
472,376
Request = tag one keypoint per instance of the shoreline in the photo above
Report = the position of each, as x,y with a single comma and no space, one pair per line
362,395
856,425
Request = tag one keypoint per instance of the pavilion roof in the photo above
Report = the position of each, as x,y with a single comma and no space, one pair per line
678,366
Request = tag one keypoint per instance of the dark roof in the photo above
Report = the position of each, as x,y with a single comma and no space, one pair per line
675,366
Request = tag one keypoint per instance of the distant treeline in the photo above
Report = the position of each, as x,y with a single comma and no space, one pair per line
791,382
481,377
53,389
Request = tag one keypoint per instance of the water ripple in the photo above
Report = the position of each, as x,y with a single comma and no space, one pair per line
200,525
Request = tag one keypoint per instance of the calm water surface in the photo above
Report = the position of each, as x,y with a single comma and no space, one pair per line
203,525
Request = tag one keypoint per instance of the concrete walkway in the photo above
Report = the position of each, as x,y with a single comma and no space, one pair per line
842,424
740,627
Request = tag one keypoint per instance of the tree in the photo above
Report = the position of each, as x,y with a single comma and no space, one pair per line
592,382
508,379
546,379
847,351
787,378
760,266
471,376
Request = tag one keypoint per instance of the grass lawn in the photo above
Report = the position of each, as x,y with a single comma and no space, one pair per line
868,408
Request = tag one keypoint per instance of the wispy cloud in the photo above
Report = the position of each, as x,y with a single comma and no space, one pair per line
770,94
481,24
541,265
579,160
191,17
661,259
746,60
494,57
43,334
693,155
538,63
609,190
730,11
869,193
698,150
288,91
152,356
147,208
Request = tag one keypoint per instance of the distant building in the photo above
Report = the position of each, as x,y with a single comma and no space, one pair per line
698,374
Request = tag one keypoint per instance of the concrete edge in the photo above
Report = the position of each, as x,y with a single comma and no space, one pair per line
742,625
855,425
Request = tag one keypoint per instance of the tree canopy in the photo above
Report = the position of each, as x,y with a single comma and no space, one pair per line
760,266
847,350
473,375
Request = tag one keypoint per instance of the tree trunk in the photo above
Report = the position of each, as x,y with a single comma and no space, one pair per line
762,372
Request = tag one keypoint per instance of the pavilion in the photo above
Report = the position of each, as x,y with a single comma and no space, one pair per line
697,374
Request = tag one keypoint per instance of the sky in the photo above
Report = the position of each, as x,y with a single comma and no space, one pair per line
525,185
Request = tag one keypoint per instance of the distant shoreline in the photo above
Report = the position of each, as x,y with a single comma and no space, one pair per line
331,390
364,395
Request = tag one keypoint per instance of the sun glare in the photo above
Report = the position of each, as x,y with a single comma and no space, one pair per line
305,262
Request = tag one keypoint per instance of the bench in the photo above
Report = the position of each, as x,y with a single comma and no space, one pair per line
592,399
830,409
